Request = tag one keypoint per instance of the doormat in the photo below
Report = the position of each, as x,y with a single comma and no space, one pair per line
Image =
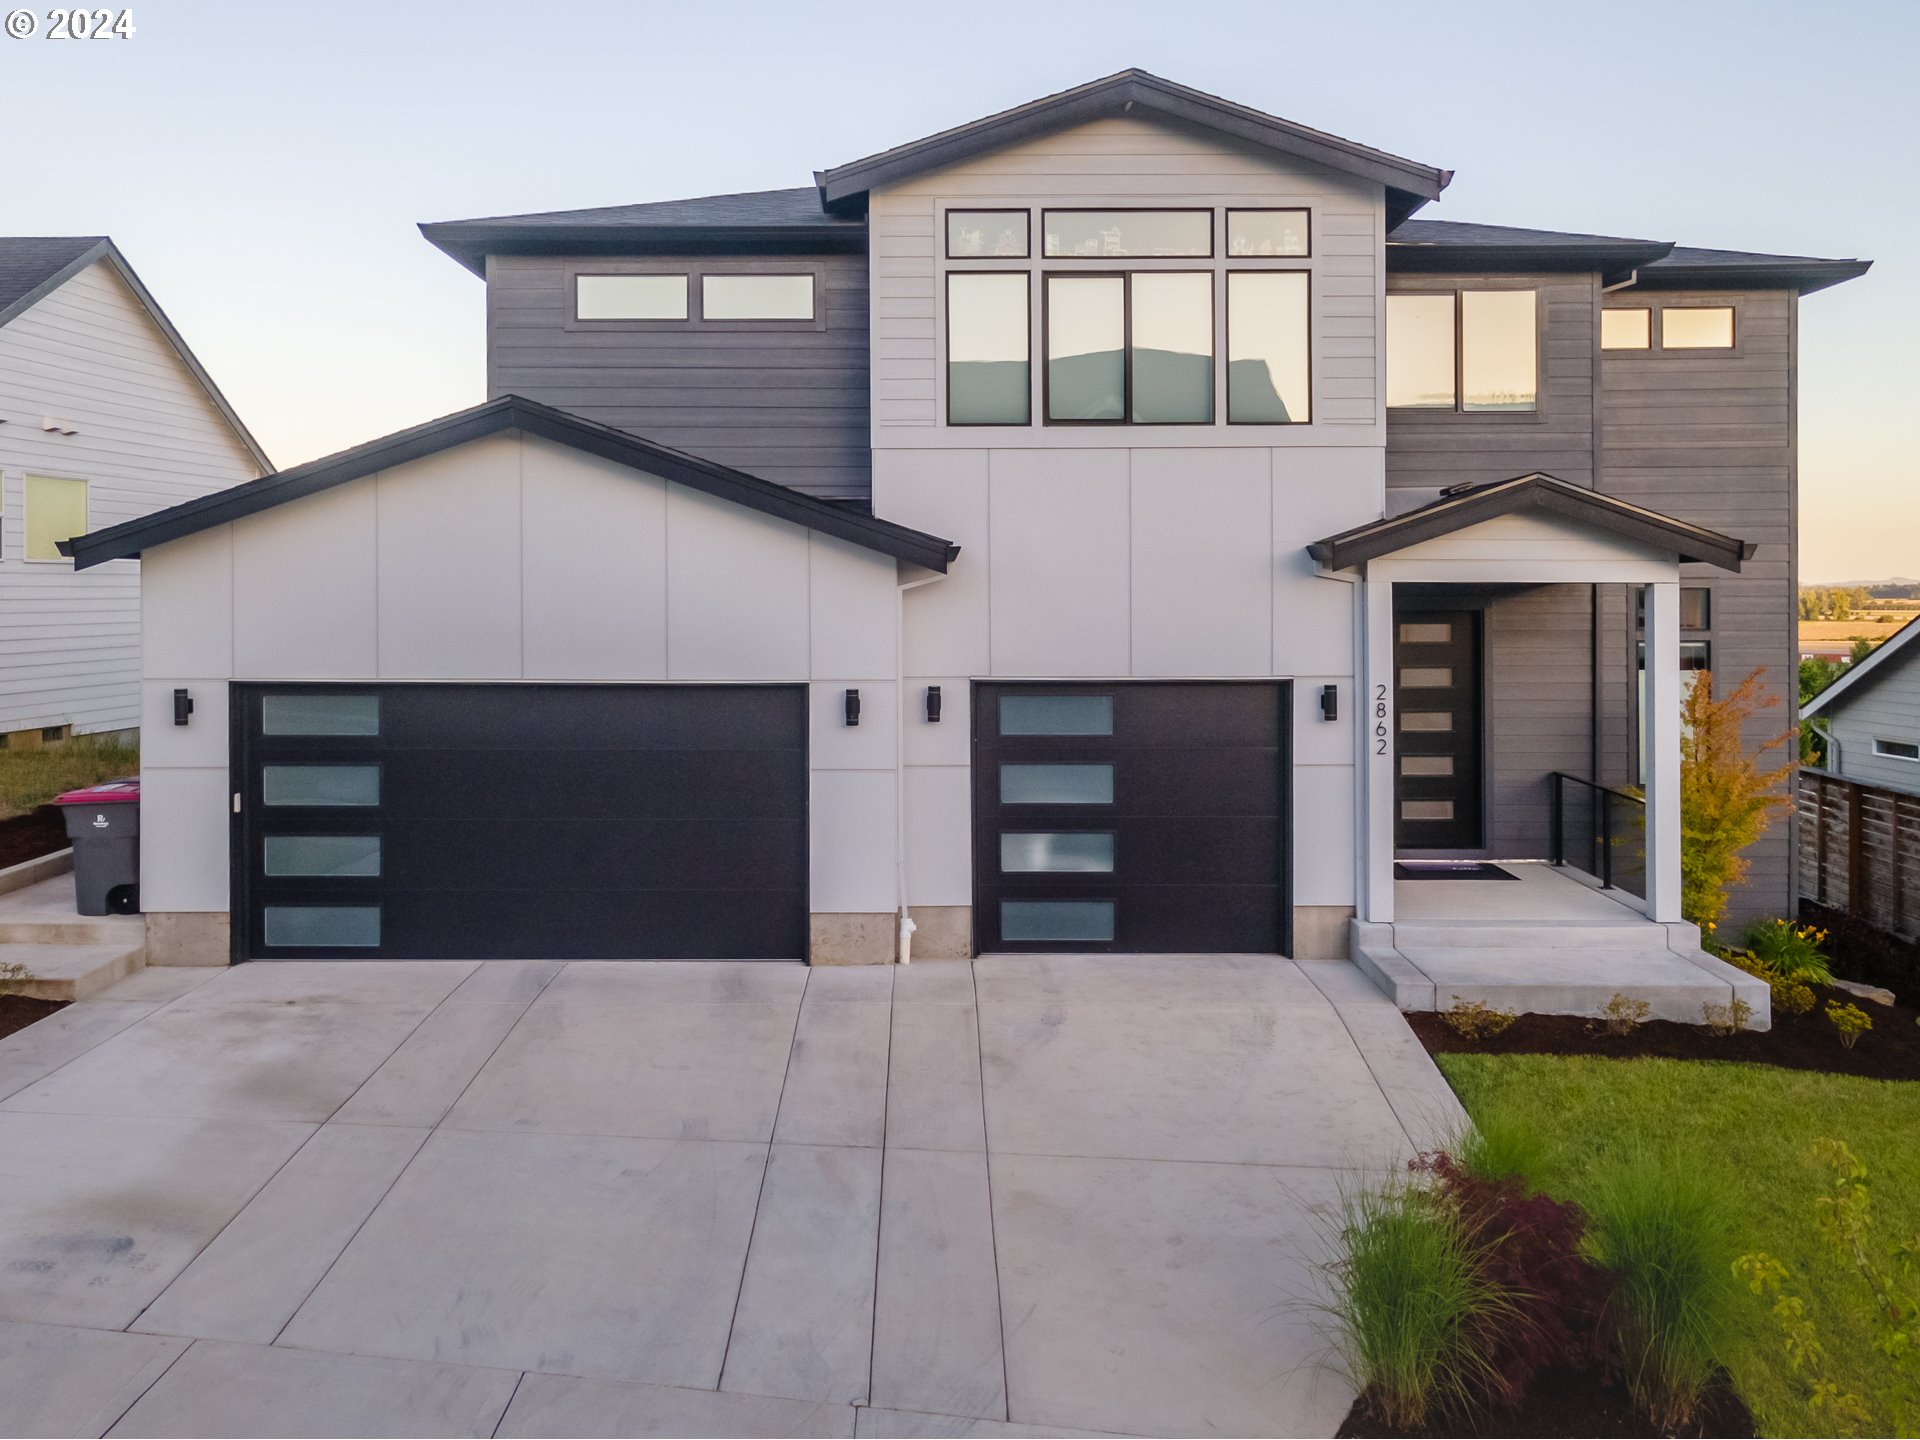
1452,870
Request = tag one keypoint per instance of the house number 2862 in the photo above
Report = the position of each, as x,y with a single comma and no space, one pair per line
1380,720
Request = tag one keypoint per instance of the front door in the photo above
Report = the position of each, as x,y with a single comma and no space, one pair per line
1436,663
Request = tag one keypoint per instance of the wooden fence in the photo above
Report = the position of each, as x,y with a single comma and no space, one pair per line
1860,850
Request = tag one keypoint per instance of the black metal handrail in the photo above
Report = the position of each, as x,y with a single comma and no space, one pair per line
1602,836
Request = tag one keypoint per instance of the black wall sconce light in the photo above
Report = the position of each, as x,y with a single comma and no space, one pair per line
182,706
853,707
1329,702
933,704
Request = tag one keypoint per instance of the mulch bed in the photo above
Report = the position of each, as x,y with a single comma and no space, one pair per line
27,837
17,1012
1862,952
1890,1051
1564,1403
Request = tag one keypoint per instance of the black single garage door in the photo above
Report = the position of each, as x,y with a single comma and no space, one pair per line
1143,816
520,821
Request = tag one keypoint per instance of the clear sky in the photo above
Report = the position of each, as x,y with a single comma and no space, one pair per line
263,165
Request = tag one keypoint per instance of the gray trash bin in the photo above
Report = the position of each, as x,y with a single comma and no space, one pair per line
103,822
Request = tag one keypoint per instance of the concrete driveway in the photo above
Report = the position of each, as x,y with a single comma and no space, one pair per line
528,1198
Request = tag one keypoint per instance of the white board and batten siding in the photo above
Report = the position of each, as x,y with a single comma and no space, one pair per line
146,436
1131,551
511,559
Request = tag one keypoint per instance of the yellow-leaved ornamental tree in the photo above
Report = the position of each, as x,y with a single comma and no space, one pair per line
1728,798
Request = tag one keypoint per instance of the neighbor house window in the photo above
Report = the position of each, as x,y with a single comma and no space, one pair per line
630,297
1493,366
989,367
1163,377
756,297
1626,329
1269,374
1128,234
987,235
1897,749
1267,232
56,511
1696,327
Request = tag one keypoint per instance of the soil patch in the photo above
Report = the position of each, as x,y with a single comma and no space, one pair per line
17,1012
1889,1051
1564,1403
28,837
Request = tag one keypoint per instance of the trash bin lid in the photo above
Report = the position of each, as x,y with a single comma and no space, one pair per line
111,792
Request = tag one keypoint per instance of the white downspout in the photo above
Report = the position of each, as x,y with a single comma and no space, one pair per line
907,927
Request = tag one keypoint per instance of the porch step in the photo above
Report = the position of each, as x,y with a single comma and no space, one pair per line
71,972
1635,933
43,914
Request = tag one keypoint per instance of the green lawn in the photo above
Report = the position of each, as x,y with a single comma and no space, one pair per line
33,777
1752,1128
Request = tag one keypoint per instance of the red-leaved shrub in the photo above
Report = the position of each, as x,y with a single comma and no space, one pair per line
1529,1246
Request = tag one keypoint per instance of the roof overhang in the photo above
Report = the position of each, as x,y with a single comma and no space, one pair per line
1409,185
105,250
1537,493
510,413
471,241
1866,671
1423,258
1804,276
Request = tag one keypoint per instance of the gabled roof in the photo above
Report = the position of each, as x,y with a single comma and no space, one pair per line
1480,503
1905,640
33,267
1447,245
1409,183
509,412
755,221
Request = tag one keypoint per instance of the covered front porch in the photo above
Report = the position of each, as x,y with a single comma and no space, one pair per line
1521,648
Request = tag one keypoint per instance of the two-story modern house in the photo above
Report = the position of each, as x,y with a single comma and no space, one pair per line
1114,524
105,415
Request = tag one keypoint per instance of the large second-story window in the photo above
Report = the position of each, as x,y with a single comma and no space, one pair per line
1475,351
1127,234
1134,347
989,375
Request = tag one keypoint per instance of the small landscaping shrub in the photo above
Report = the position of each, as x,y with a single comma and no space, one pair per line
1843,1219
1624,1014
1529,1249
1790,996
1849,1020
1728,1019
1501,1147
1659,1228
1475,1019
1790,950
1412,1304
1727,801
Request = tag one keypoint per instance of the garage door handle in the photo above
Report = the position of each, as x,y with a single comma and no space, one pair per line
236,802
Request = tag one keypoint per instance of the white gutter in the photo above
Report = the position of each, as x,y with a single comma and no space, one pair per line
907,927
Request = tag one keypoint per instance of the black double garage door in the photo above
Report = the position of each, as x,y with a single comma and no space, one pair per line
521,821
657,821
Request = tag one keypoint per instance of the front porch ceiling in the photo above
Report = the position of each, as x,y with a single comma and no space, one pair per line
1632,528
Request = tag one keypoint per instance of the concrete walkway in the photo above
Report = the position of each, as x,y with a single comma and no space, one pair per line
527,1198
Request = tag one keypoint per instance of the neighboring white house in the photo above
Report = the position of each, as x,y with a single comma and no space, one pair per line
105,416
1871,715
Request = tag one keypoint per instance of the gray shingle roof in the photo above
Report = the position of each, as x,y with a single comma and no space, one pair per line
28,261
749,209
1465,232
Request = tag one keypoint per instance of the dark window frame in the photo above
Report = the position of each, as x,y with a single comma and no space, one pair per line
1457,288
1227,212
946,338
1125,277
946,230
1213,238
1733,324
696,270
1647,310
1656,328
1224,351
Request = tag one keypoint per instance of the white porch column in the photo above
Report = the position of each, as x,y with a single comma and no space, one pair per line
1376,749
1662,728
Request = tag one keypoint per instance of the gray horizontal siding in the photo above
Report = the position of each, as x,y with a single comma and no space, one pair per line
787,405
1888,706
